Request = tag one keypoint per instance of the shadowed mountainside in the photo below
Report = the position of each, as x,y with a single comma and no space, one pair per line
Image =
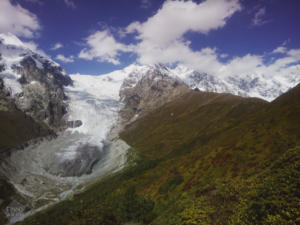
16,127
16,130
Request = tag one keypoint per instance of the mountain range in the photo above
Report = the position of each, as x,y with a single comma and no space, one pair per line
174,145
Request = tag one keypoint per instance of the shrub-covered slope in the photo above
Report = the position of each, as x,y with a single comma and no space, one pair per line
202,159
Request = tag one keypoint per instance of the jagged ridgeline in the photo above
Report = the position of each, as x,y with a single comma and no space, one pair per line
203,158
33,81
196,157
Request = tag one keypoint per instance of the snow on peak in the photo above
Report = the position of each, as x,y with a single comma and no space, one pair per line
12,47
253,85
10,39
12,52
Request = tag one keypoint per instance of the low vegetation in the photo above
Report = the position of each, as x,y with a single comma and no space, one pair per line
202,159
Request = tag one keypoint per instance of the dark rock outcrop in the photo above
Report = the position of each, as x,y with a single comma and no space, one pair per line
74,123
18,128
43,96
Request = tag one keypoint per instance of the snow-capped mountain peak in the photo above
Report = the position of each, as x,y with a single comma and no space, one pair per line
252,85
33,80
10,39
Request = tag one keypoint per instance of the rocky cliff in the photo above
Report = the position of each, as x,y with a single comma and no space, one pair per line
144,92
34,81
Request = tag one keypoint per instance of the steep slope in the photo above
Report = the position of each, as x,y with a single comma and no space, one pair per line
203,158
152,89
16,128
181,121
189,146
34,81
223,164
121,95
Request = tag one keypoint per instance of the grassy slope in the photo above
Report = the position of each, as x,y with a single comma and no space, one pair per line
202,159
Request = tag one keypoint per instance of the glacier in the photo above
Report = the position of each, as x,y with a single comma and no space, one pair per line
55,168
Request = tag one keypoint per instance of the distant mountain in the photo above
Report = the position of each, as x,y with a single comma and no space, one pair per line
190,132
266,86
39,86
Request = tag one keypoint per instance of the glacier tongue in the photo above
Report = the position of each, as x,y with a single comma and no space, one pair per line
95,101
53,169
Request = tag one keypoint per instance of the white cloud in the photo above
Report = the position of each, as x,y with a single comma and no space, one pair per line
162,35
65,59
160,39
259,19
57,46
247,64
280,49
175,18
31,45
103,47
254,65
224,55
17,20
70,4
295,53
34,47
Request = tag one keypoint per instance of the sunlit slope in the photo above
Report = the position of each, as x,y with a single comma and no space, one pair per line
217,152
202,159
193,120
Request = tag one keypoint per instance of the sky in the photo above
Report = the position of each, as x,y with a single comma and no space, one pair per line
219,37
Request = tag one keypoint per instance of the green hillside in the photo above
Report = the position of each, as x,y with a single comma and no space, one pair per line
204,158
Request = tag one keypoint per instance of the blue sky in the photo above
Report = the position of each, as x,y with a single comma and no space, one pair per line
214,36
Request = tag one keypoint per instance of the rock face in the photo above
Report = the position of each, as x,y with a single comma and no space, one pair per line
5,103
74,123
34,81
17,128
148,92
43,96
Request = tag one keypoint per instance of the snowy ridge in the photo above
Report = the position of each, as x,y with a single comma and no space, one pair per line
267,87
55,168
95,99
12,52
